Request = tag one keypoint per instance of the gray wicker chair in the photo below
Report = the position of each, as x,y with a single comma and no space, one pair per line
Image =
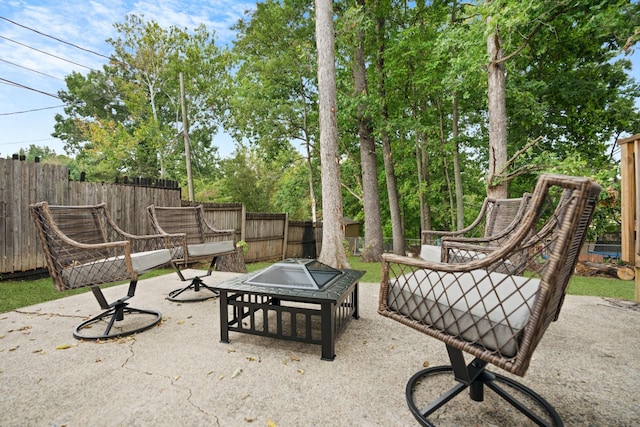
497,219
203,243
494,317
82,247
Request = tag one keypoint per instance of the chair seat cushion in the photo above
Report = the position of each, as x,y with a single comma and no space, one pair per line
210,248
487,309
112,269
145,261
431,253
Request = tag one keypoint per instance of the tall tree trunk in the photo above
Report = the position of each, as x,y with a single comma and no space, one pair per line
445,165
372,251
496,188
422,162
457,174
333,252
307,144
397,229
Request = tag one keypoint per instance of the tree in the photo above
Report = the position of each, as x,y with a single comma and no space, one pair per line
333,252
126,118
373,244
397,227
273,103
547,30
251,178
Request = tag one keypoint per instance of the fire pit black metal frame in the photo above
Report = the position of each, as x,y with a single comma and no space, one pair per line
263,305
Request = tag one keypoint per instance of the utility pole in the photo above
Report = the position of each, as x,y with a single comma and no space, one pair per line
185,134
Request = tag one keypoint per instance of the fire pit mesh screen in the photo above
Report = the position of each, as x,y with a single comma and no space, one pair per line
296,273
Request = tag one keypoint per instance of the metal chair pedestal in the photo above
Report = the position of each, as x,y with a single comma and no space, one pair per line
475,377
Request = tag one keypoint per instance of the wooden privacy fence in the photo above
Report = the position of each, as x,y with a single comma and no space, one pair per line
268,236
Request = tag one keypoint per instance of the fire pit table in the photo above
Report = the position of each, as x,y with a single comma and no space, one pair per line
296,300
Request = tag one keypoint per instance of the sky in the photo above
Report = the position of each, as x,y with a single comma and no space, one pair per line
33,63
29,73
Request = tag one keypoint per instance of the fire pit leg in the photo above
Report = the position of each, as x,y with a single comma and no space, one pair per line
328,330
224,321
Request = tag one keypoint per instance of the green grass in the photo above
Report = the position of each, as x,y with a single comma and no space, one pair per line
17,294
602,287
22,293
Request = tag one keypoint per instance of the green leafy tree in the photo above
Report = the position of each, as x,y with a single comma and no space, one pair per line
252,178
126,119
273,104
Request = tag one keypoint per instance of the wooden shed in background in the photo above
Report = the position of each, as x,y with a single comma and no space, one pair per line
351,227
630,208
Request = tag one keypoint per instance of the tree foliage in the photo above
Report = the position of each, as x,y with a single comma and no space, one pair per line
126,119
568,97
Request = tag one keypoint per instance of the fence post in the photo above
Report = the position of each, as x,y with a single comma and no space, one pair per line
243,223
286,235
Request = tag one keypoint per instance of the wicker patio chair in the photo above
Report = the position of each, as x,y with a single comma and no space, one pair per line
203,243
84,247
494,317
497,219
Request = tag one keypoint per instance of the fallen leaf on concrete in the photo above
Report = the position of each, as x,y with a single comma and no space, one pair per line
65,346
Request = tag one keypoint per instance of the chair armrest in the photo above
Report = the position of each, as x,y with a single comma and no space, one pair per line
427,235
213,234
430,236
153,242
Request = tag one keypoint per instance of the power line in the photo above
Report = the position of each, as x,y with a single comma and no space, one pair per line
31,111
31,69
26,142
29,88
46,53
54,38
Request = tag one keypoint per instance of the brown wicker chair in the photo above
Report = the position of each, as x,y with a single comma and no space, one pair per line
497,219
497,318
203,243
84,247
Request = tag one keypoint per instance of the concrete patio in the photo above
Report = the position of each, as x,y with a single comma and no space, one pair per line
179,373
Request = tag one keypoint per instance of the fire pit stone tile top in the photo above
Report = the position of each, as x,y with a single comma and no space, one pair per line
296,273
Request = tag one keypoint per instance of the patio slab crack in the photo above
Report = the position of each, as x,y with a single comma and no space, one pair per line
173,380
37,313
